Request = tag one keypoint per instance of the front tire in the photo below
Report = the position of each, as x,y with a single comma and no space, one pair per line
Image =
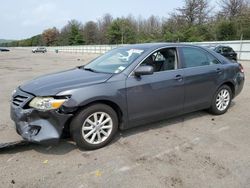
221,101
94,127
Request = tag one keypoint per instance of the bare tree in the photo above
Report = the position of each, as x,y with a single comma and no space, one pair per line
194,11
149,29
154,25
90,33
232,8
103,25
174,23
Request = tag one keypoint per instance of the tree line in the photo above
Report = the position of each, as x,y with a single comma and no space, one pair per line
196,20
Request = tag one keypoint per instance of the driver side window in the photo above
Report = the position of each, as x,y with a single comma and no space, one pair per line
162,60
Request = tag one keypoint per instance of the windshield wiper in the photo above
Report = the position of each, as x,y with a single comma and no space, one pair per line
93,70
89,69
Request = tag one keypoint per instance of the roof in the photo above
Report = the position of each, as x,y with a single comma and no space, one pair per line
146,46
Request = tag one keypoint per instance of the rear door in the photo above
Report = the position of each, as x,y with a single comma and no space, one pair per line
202,75
156,96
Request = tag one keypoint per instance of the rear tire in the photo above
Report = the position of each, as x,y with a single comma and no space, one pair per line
94,127
221,100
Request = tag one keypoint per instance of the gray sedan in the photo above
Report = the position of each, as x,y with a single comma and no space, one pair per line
126,87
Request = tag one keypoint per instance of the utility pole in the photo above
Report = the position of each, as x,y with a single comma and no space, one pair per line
241,44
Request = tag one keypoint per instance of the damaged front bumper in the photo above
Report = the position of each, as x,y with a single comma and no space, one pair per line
44,127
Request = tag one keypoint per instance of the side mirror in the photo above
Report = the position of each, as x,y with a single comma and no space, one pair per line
144,70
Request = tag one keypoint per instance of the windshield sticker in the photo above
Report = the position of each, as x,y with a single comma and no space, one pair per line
120,69
136,51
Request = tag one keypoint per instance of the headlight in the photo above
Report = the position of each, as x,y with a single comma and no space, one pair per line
46,103
13,92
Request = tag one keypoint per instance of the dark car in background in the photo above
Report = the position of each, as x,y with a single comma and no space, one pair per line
4,50
227,52
126,87
39,49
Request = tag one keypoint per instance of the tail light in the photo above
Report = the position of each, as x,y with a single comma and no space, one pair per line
241,68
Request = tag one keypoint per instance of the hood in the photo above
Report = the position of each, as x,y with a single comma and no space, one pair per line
52,84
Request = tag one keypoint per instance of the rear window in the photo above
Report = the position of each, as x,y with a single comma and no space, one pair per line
227,49
195,57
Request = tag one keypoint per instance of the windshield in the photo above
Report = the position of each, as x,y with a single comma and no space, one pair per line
114,61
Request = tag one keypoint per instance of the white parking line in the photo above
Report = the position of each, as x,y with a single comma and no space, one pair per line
10,159
223,129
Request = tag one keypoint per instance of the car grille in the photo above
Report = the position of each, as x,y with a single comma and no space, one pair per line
20,100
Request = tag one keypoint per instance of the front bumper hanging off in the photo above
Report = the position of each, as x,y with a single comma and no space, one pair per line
39,127
36,126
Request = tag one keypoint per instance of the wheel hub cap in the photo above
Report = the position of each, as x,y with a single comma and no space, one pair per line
97,128
222,100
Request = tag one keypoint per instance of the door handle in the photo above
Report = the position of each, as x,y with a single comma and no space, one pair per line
178,77
219,71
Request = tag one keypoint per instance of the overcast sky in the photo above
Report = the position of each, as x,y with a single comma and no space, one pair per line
24,18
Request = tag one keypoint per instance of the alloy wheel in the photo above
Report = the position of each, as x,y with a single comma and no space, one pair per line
223,100
97,128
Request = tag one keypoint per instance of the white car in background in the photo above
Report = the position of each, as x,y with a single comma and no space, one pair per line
39,49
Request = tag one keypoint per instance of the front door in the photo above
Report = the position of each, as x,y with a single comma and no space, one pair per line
156,96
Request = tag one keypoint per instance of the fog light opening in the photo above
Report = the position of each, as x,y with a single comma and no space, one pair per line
34,130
